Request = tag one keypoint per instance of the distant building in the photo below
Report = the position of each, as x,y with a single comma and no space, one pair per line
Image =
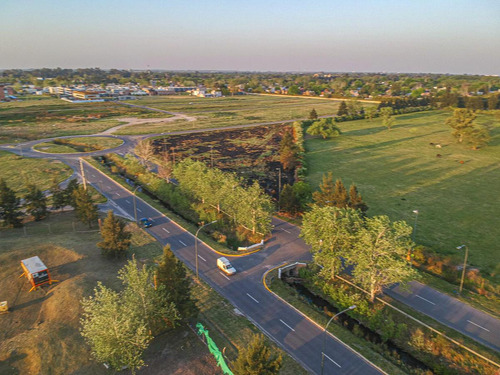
86,95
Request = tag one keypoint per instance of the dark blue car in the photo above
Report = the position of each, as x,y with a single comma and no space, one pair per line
146,223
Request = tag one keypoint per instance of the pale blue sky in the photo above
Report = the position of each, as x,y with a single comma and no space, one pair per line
441,36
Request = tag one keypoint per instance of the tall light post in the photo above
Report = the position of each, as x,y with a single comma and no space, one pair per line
414,233
196,246
135,205
279,187
465,265
324,334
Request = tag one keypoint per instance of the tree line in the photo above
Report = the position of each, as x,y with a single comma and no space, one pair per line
13,208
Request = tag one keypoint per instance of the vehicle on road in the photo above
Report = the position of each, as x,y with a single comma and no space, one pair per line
145,222
225,266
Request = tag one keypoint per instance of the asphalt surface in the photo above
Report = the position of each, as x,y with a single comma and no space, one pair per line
245,290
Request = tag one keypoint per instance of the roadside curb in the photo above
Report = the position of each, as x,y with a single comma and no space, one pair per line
313,321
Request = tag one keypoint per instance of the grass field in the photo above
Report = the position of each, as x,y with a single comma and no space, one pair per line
18,171
82,144
42,118
227,111
399,170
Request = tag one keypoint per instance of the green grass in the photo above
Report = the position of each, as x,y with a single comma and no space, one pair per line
34,119
18,171
398,171
83,144
230,111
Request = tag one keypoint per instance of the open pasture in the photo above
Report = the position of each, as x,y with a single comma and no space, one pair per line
418,165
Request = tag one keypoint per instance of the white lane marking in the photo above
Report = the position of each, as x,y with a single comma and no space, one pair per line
224,275
118,194
284,230
138,209
126,200
332,360
203,259
182,243
252,298
287,325
425,299
93,175
166,230
477,325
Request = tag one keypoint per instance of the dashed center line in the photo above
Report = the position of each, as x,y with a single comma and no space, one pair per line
182,243
118,194
166,230
224,275
203,259
284,230
126,200
252,298
138,209
477,325
332,360
287,325
425,299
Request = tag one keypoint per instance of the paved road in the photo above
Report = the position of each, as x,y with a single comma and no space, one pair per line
448,310
290,329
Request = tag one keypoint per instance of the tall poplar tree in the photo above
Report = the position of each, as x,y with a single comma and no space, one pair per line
343,111
86,210
9,206
115,238
36,202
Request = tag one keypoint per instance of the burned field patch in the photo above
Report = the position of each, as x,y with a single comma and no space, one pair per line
251,153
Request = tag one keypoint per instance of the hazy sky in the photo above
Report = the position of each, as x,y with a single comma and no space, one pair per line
280,35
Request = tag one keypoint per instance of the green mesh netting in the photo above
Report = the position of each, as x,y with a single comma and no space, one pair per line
214,349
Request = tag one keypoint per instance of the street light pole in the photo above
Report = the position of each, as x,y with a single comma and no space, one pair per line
324,334
279,187
135,205
414,233
196,246
465,265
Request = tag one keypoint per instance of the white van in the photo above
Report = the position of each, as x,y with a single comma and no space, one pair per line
225,266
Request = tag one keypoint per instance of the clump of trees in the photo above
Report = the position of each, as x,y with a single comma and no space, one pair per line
375,247
118,326
387,118
465,130
115,238
324,127
336,195
10,210
257,358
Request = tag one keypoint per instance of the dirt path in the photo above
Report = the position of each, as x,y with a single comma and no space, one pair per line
139,121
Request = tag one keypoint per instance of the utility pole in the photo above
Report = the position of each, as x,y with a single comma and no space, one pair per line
465,265
83,174
196,246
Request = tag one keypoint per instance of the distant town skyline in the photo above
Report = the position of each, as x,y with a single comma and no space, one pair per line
403,36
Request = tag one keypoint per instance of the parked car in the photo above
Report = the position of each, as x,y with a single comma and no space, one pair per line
225,266
145,222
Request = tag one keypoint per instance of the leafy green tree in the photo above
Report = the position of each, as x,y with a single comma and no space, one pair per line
313,115
477,137
330,232
325,196
354,107
356,200
325,127
303,194
370,112
86,210
342,111
151,303
340,196
9,206
115,238
493,102
288,200
171,274
294,90
145,151
115,332
387,118
378,252
288,150
257,359
69,192
462,123
58,195
36,202
255,210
